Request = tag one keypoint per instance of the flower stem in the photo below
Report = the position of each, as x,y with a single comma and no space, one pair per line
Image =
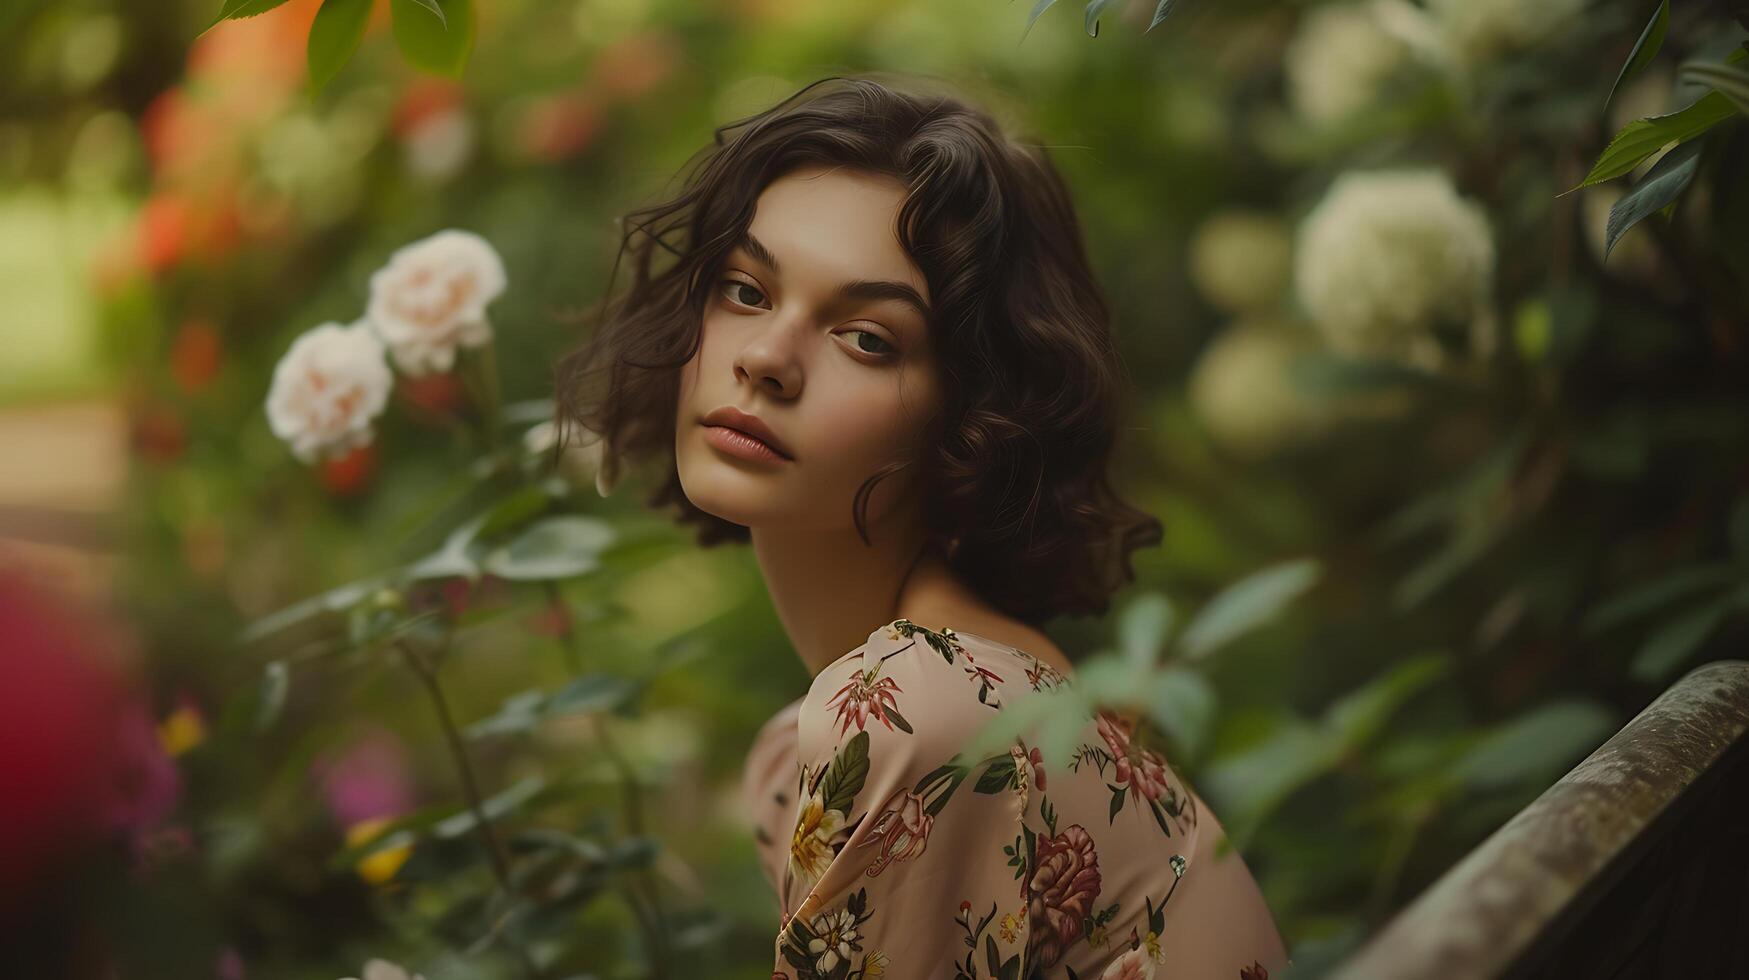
494,848
641,893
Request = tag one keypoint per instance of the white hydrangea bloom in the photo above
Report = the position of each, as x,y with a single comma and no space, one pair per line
327,389
1387,257
1247,395
1242,391
431,298
1241,260
1338,61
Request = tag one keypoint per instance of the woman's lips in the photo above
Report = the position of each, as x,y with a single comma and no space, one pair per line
740,444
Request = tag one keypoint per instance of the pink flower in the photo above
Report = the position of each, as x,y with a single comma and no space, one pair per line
369,779
1142,768
901,828
867,695
1064,883
147,784
1026,760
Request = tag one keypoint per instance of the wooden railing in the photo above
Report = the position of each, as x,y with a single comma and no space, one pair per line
1634,864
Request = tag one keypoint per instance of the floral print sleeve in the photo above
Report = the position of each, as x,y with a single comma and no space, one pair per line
895,855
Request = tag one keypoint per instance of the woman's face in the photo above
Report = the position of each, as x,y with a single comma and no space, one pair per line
810,327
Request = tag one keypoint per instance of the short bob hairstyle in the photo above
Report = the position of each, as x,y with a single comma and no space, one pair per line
1016,496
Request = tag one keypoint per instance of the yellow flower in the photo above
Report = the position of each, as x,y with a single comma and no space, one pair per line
810,850
379,866
1097,937
875,965
1012,925
1153,944
182,730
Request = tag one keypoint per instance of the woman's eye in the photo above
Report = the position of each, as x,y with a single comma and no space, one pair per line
730,285
885,348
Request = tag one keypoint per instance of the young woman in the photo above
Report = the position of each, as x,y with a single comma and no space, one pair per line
880,356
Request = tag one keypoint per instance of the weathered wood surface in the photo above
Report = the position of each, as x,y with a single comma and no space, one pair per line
1634,864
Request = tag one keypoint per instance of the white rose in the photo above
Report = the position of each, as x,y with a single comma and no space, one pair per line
1339,61
1240,260
327,389
384,970
1390,256
432,296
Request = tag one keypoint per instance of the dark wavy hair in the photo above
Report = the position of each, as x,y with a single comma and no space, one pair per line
1016,495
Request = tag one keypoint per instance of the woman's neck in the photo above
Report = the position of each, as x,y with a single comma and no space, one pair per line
830,590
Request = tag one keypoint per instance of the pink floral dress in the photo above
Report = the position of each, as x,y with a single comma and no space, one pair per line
892,856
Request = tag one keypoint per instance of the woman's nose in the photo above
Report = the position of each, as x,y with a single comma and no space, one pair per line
771,357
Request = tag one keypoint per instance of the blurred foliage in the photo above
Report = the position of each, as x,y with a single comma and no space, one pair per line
1505,422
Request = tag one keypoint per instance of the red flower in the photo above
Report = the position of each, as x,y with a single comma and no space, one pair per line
866,695
157,433
350,473
1255,971
195,355
1061,891
558,126
437,394
422,100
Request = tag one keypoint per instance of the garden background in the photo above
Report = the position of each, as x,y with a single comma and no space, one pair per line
1448,494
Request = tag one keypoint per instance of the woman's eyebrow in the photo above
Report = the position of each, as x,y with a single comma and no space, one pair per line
855,289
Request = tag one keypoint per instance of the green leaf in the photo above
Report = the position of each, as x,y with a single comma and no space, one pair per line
1022,719
1661,186
492,807
998,776
1245,605
1142,628
845,776
1038,8
435,35
1091,18
241,9
1537,746
334,600
519,713
1640,599
436,8
592,692
334,37
1160,12
1727,80
1466,545
1361,714
558,547
1678,639
1651,39
1182,703
275,682
1117,799
1644,137
400,831
1252,783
